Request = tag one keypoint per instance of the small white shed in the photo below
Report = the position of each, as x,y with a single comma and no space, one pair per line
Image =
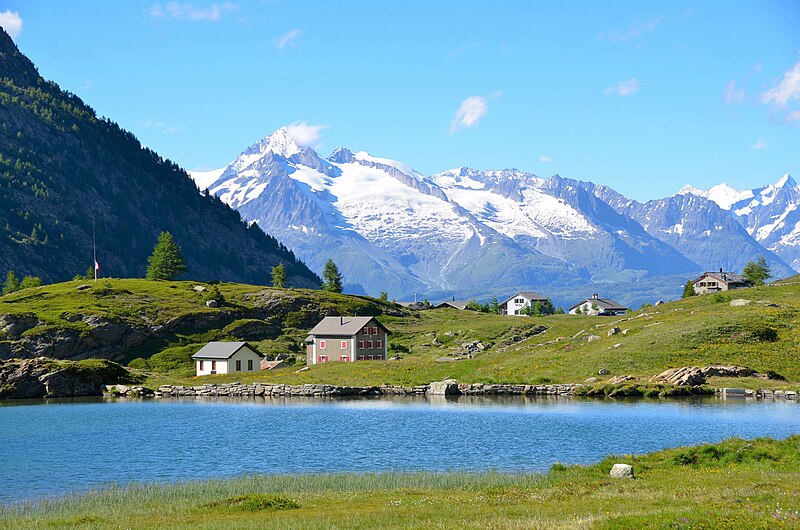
227,358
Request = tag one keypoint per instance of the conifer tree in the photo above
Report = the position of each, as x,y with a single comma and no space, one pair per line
30,281
279,276
688,289
757,272
166,262
11,284
333,280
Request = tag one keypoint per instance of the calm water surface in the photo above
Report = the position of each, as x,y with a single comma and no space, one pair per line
59,446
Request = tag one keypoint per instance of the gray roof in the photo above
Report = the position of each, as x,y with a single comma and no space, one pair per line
725,277
530,295
457,304
602,303
343,326
222,350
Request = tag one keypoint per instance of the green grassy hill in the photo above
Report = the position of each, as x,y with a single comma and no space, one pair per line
157,326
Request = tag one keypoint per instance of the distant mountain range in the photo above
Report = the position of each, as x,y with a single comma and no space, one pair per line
472,233
62,169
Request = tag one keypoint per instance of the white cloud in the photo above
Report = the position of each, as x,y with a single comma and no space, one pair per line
792,117
636,30
624,88
786,90
172,130
545,159
471,111
733,96
188,11
305,134
288,39
760,145
11,22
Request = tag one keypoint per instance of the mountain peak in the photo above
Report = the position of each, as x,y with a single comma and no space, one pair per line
786,181
280,142
341,155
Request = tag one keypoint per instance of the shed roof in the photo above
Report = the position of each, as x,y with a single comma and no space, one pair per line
222,350
457,304
343,326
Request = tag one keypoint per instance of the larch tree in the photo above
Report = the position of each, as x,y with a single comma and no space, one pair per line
166,262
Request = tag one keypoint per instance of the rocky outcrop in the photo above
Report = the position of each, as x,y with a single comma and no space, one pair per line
695,375
42,377
622,471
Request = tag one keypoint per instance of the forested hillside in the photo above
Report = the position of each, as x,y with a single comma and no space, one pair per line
62,169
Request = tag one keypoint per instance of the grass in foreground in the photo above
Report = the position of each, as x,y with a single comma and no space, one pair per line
734,484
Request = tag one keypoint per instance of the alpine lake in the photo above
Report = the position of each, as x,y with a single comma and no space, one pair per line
54,447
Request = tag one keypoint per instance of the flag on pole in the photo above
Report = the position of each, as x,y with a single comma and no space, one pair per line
96,266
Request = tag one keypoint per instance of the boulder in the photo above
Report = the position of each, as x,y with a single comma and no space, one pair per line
622,471
592,338
200,288
739,302
614,331
212,303
448,387
603,371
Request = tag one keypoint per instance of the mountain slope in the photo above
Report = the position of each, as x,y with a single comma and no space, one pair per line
771,214
464,232
61,167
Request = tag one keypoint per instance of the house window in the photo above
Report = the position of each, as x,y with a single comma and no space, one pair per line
344,344
519,300
344,358
322,344
360,357
323,358
238,366
369,344
365,331
361,345
370,357
375,331
201,366
379,344
250,364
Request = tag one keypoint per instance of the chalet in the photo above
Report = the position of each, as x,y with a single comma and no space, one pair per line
714,282
226,358
517,303
598,307
347,339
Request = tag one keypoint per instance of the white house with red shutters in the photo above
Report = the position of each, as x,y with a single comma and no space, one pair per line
347,339
227,358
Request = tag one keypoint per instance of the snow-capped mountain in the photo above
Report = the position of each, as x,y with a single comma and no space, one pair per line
770,214
464,231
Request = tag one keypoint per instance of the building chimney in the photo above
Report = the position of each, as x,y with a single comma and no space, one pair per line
594,296
341,320
720,270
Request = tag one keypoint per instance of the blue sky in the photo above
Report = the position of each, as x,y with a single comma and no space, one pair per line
641,96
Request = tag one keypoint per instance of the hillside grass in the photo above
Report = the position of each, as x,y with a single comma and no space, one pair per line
734,484
763,335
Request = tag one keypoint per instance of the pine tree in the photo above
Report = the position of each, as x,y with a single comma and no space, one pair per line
12,283
494,306
333,280
384,297
757,272
279,276
688,289
166,262
30,281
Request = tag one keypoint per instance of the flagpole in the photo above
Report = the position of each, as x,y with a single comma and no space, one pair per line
94,250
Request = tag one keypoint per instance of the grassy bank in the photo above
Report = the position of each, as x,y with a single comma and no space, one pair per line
763,334
734,484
